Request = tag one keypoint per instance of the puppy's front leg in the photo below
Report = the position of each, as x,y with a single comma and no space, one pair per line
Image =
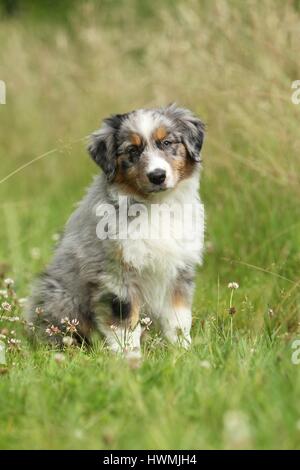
121,338
118,321
176,325
176,319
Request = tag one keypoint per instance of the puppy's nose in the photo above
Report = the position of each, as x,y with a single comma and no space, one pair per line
157,176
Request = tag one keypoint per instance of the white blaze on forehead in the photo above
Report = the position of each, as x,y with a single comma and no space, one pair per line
156,162
146,123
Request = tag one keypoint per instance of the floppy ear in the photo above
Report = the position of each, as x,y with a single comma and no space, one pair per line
103,146
190,128
193,137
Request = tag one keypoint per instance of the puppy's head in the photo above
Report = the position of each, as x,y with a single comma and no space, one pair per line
148,150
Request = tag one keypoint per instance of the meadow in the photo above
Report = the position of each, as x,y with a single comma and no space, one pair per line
233,63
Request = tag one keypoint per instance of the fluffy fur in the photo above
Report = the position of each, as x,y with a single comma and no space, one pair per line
147,157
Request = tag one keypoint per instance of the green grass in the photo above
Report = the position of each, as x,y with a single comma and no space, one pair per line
233,64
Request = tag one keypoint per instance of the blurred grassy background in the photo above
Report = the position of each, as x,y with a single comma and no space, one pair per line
69,64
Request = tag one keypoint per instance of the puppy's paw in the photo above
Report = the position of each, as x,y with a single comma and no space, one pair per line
185,341
179,338
134,358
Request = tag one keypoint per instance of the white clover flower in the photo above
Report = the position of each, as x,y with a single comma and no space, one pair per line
39,311
72,325
146,322
3,293
271,313
8,282
6,306
14,344
14,341
59,357
237,431
64,320
233,285
205,364
52,330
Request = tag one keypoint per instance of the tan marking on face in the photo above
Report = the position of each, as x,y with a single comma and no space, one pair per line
182,165
135,139
128,180
160,133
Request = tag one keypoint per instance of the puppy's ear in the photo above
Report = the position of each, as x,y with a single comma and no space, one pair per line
103,145
190,128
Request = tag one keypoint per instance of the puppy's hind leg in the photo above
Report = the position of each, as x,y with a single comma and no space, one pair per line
55,312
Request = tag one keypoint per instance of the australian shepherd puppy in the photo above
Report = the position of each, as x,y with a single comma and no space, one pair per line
130,249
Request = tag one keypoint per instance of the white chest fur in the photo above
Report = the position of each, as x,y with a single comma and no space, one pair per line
164,237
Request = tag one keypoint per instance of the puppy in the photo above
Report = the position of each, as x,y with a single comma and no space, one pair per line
131,247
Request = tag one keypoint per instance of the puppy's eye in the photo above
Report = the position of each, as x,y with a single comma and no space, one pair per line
134,151
166,143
